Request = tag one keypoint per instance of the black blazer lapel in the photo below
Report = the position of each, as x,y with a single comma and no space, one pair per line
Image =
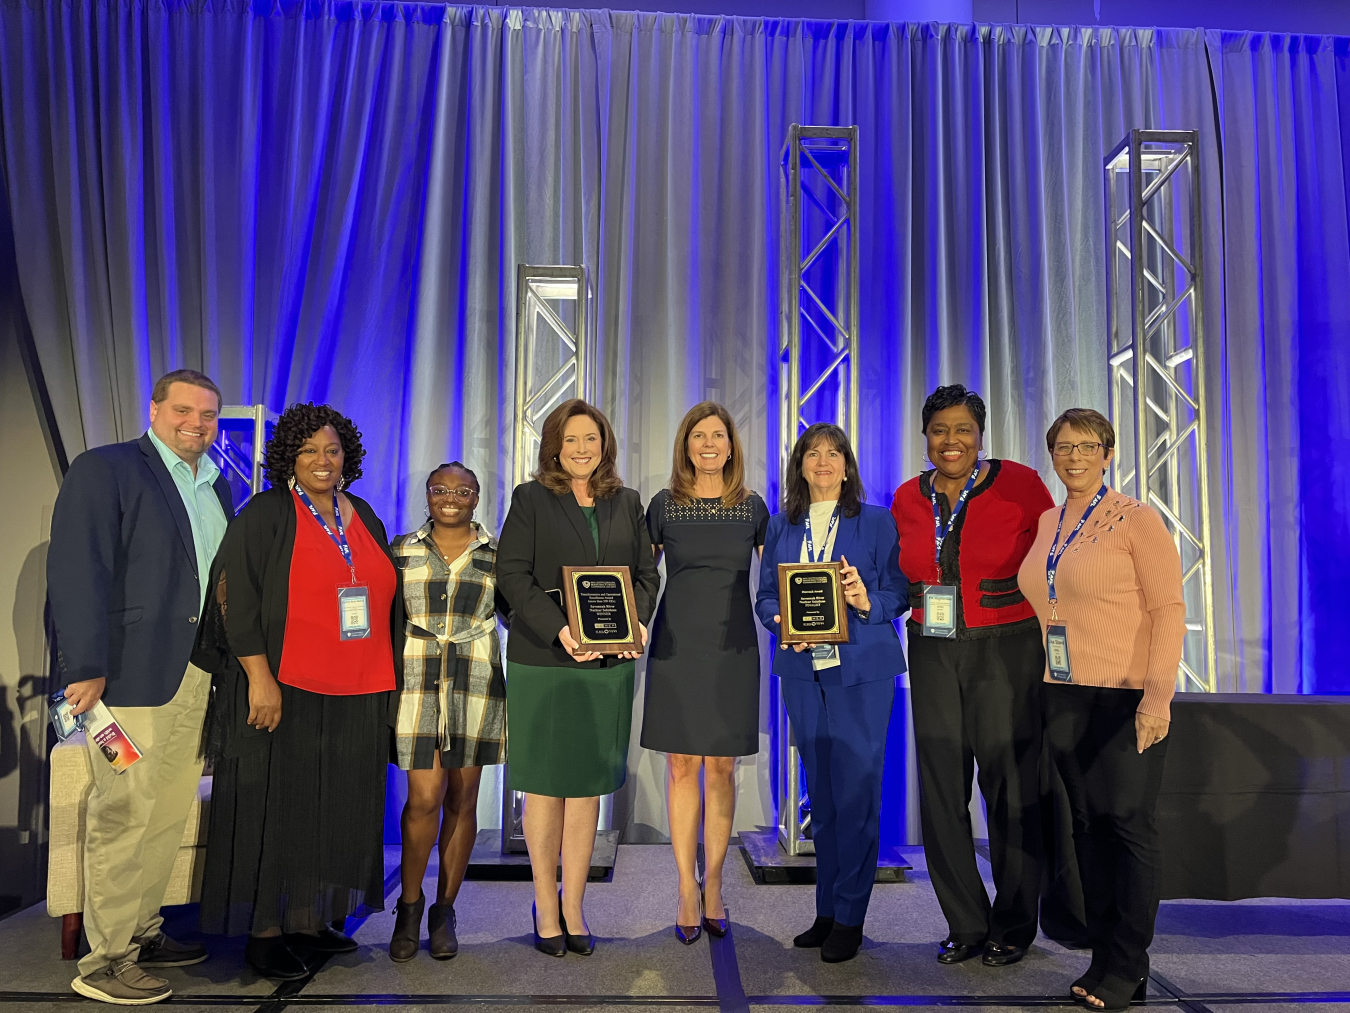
172,497
572,509
604,517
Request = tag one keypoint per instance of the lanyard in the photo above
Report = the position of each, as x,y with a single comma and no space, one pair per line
1056,550
811,545
339,539
940,531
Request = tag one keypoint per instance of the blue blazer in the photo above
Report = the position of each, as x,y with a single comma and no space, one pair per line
122,574
871,544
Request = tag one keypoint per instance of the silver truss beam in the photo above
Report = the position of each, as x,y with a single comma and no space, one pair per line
241,445
819,279
553,363
1155,356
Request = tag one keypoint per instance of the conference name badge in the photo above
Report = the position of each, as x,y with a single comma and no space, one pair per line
353,612
1057,653
939,611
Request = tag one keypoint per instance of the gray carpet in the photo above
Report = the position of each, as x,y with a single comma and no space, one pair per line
1202,948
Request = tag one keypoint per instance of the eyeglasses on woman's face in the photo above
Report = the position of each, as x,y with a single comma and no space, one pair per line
1087,449
464,493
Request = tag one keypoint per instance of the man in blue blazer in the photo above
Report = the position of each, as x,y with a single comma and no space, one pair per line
839,697
134,531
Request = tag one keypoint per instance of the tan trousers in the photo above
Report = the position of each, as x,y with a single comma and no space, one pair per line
135,821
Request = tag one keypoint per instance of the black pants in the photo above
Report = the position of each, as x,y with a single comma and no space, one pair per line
979,701
1113,797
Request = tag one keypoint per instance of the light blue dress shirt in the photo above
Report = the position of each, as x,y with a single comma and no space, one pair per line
204,511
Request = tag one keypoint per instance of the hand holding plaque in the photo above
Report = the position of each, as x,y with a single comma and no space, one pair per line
601,609
811,603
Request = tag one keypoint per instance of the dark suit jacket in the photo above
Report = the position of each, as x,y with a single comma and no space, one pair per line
122,574
545,532
871,544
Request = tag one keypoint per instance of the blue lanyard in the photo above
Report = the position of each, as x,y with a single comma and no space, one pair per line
811,545
940,531
1056,550
339,539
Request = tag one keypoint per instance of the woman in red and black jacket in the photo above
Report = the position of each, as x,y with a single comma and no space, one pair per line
975,668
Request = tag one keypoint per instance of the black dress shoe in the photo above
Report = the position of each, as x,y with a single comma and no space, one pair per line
272,958
554,946
950,952
326,940
815,935
841,944
583,945
1002,954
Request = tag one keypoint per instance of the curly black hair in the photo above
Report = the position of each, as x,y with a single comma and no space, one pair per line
949,397
297,424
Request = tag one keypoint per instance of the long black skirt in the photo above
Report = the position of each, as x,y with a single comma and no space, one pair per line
297,818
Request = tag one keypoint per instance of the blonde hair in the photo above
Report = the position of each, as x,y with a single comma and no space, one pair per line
682,469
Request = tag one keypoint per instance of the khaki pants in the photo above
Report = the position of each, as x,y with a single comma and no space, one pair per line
135,821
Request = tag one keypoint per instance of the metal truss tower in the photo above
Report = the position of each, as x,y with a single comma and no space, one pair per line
240,445
1155,350
818,359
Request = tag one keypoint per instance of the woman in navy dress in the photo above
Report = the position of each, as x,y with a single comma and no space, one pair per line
702,703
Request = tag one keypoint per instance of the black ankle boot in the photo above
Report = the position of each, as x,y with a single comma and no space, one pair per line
841,944
441,927
815,935
406,940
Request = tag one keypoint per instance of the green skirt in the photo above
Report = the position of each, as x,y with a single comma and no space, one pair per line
568,728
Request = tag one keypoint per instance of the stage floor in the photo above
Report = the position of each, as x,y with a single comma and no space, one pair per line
1269,954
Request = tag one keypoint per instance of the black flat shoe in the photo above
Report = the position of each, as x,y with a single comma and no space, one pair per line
841,944
950,952
815,935
271,958
1002,954
583,945
554,946
716,927
326,940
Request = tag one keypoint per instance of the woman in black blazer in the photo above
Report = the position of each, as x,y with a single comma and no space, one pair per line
568,711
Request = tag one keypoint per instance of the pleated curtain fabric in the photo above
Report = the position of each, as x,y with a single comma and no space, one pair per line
328,201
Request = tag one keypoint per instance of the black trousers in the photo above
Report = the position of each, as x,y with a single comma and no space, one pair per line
1113,797
979,701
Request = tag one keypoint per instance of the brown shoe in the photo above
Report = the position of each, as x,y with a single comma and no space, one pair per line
123,984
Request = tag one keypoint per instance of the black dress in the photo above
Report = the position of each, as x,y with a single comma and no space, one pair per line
703,665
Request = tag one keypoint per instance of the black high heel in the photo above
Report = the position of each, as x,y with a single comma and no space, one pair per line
715,926
1088,981
689,934
1116,993
553,946
581,945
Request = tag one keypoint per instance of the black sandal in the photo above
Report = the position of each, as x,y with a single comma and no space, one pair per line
1090,979
1116,993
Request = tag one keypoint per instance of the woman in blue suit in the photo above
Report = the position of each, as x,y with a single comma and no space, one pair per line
838,697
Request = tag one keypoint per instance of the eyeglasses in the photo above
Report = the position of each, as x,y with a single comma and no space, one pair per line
1086,449
463,493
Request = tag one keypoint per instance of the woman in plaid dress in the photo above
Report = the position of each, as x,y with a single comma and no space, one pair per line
452,711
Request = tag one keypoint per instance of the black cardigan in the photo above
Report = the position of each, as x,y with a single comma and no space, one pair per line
545,532
246,615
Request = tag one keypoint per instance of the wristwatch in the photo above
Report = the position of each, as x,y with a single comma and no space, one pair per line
863,614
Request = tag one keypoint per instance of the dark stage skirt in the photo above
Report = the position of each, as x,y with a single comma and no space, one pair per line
296,838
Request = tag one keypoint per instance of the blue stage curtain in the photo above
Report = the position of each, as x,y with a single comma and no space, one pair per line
327,200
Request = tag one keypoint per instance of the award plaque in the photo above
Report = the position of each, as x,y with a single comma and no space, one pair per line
811,604
601,609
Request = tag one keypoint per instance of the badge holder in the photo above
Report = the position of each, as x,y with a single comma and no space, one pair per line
939,611
1057,647
354,612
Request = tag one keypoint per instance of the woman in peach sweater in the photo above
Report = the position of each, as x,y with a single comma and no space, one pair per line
1105,580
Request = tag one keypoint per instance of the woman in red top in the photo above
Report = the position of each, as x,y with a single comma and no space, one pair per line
301,635
975,667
